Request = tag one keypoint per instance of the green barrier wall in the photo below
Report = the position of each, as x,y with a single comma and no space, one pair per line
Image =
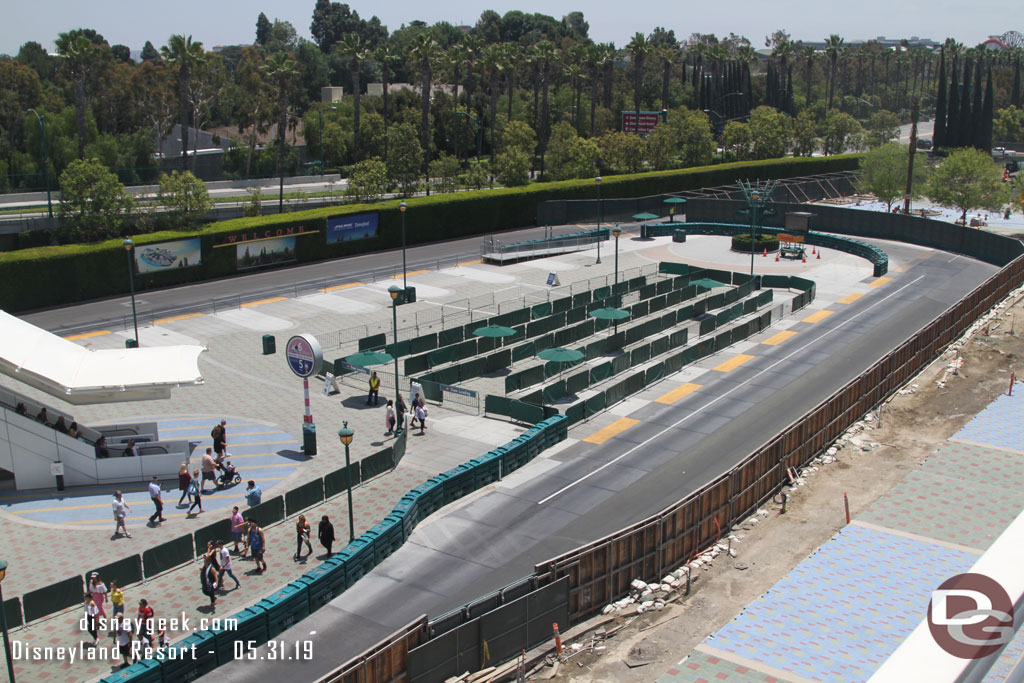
55,597
266,513
398,447
498,405
12,612
125,571
168,555
375,341
524,411
423,343
380,462
309,494
218,531
450,336
337,481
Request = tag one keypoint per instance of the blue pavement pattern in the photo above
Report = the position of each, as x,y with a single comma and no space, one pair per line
841,612
999,424
261,452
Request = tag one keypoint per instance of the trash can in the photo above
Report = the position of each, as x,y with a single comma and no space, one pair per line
269,344
309,438
131,343
643,232
410,295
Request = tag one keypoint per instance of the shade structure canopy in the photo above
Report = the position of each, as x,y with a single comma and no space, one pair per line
707,283
645,216
494,331
675,200
560,355
365,359
609,314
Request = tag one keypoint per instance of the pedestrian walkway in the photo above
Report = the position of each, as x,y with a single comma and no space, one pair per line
841,612
263,404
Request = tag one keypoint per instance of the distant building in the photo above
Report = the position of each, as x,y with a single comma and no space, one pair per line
377,89
331,93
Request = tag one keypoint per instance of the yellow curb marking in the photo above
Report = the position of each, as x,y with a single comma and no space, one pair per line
733,363
678,393
614,429
880,281
87,335
175,318
335,288
818,317
411,272
469,263
850,298
271,300
779,338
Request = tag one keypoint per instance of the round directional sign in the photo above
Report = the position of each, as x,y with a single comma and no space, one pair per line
304,355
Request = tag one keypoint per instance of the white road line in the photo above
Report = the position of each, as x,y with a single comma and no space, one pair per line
727,393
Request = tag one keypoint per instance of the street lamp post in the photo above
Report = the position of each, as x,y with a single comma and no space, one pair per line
46,163
597,180
616,231
129,246
401,209
753,227
3,623
394,291
345,435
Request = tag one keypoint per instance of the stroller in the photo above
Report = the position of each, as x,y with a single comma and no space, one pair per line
229,475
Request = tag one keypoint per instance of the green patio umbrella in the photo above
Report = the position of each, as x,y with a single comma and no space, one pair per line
644,217
365,359
494,331
708,284
609,314
673,201
561,356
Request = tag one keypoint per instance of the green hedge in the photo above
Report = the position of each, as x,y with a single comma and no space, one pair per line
742,243
48,276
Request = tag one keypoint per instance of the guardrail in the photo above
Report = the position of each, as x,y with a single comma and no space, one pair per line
493,250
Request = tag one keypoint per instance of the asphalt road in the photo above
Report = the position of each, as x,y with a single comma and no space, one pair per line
588,491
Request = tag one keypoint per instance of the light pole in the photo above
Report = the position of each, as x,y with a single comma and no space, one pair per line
129,246
753,226
46,162
616,231
394,291
3,623
405,285
597,180
345,435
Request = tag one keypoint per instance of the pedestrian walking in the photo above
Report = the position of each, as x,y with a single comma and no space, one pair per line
413,409
389,416
144,619
121,510
209,470
237,527
253,494
401,409
98,592
325,533
123,637
91,617
224,560
184,479
158,502
421,415
195,492
302,536
208,578
373,397
220,438
257,545
116,602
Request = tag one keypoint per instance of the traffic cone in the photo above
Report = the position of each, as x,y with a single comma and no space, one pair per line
765,254
819,255
558,640
805,258
814,250
776,257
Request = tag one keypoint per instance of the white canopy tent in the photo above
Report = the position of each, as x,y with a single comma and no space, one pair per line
81,376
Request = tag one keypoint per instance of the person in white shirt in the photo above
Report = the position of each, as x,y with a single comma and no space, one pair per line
158,501
123,636
121,509
224,560
91,614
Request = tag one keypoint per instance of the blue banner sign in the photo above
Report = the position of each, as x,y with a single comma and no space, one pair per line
347,228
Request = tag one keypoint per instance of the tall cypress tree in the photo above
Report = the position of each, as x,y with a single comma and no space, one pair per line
953,116
986,114
939,134
790,108
976,136
1015,96
963,132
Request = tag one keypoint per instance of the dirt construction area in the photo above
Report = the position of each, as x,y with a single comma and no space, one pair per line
632,646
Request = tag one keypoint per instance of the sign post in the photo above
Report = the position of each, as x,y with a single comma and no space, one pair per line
304,357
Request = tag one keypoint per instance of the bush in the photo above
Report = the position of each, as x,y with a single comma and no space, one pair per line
742,243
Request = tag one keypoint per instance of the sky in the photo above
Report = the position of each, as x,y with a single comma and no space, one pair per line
229,22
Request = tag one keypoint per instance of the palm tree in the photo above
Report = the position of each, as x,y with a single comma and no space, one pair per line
511,56
748,58
454,58
353,47
833,46
385,56
545,55
184,55
593,66
492,65
607,61
668,54
422,53
281,71
639,47
81,57
783,51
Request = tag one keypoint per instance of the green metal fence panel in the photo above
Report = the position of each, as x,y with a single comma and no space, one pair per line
416,365
595,349
486,344
498,405
708,325
539,311
648,291
472,368
531,376
639,310
12,613
723,340
654,373
554,392
398,447
523,351
576,412
400,349
586,328
705,348
57,596
777,281
657,303
666,321
663,286
684,314
218,531
126,571
337,481
677,339
453,335
596,403
527,412
564,337
498,361
614,341
449,375
380,462
673,363
423,343
466,349
673,268
620,363
374,341
601,372
431,390
750,305
266,513
574,384
512,382
659,346
307,495
167,556
765,297
561,305
575,315
640,355
581,299
552,368
545,342
445,354
602,293
690,355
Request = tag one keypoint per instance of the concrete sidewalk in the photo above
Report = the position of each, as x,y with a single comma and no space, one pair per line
50,537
